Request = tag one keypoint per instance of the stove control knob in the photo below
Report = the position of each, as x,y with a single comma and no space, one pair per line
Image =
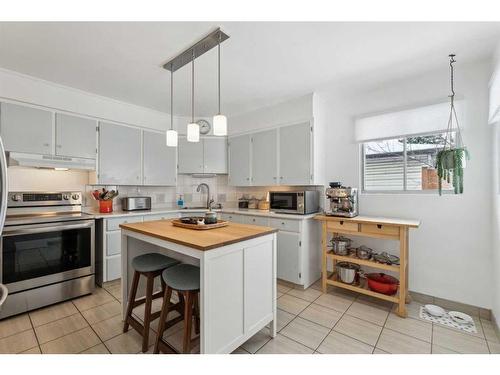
65,197
16,197
75,196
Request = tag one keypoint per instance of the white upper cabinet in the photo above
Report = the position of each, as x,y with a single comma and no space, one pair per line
289,144
239,161
215,155
264,158
26,129
295,156
75,136
190,156
209,155
160,161
120,158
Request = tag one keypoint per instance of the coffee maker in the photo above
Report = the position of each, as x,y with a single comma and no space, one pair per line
341,200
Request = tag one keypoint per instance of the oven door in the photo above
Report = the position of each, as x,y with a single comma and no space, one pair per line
34,255
282,201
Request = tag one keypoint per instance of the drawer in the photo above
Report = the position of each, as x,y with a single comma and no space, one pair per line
285,224
234,218
113,243
257,220
114,224
113,268
343,226
381,229
161,216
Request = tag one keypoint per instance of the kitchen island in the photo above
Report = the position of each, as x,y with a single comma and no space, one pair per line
237,275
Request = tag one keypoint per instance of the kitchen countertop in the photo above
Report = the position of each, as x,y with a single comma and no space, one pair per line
157,211
201,240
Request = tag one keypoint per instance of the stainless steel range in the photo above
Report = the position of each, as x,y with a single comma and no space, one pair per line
46,250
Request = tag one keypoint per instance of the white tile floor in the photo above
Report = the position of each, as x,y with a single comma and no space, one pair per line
308,322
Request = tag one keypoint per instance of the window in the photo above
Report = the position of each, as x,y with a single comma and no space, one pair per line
403,163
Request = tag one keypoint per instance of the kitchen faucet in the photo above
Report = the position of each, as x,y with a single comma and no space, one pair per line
209,201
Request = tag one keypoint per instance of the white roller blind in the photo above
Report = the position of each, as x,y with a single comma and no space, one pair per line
426,119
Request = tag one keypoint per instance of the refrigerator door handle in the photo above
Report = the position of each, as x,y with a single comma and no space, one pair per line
3,200
4,186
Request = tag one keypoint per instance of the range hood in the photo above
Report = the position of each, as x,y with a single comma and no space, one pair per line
49,161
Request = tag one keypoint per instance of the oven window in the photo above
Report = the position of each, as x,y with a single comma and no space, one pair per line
284,201
27,256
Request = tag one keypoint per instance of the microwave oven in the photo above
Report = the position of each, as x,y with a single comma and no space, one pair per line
294,202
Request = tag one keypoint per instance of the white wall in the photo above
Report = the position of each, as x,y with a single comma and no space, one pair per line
450,254
293,111
494,117
23,88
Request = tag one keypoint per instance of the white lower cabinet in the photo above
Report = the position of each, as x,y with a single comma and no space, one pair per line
289,257
299,249
109,247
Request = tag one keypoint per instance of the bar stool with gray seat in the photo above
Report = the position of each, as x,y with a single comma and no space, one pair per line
185,280
150,266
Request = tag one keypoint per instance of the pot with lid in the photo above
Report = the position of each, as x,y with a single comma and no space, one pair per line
348,272
341,245
364,252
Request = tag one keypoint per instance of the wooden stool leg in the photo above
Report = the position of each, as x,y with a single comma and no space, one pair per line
188,321
147,311
131,299
163,317
196,314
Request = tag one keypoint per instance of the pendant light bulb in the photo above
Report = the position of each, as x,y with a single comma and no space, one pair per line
193,129
171,136
219,121
193,132
220,125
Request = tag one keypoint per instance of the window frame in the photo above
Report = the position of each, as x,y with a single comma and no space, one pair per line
405,159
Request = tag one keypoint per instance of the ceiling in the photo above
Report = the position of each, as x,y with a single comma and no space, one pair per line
262,63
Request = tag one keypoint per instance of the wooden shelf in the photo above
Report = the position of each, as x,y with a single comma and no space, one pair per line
362,288
363,262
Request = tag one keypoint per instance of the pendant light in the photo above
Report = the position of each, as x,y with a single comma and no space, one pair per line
219,120
193,129
171,133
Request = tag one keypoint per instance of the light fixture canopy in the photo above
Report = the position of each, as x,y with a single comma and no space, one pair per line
171,136
219,120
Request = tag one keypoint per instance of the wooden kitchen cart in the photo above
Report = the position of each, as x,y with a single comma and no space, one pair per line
375,227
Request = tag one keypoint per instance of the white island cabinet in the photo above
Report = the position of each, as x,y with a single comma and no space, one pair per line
237,276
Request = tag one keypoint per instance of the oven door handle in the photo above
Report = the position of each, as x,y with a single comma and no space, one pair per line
20,230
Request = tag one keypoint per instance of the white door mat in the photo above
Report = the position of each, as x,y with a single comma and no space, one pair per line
446,320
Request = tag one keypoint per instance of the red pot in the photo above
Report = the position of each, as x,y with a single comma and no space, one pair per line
382,283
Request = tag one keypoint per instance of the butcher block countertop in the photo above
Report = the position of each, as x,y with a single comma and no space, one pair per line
372,220
199,239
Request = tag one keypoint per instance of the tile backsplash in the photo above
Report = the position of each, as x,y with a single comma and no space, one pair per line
166,197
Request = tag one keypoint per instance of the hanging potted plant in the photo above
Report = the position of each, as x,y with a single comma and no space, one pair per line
451,160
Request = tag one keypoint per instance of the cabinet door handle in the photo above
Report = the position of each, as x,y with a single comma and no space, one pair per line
46,144
58,146
281,177
379,226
